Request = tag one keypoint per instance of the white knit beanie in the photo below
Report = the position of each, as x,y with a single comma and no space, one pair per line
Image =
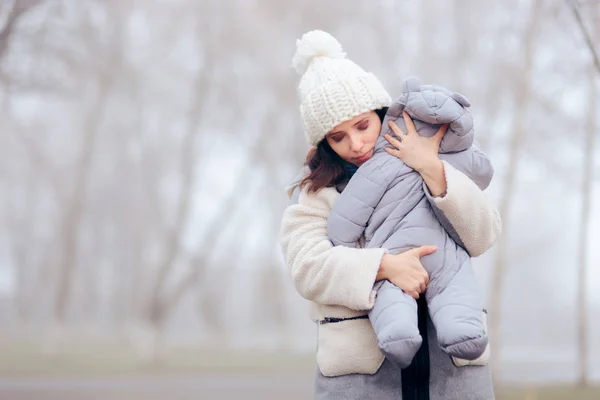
332,89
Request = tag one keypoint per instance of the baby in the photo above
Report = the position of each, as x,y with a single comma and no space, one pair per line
386,201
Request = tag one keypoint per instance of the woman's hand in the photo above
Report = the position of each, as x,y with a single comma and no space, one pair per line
420,153
416,151
406,271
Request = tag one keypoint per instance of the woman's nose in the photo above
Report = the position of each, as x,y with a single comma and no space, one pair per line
356,144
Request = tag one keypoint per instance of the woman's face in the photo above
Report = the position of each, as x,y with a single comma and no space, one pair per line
354,140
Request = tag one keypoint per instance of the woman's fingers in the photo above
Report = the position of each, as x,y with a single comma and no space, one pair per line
410,126
439,135
396,129
417,287
392,140
421,276
417,279
394,152
423,250
425,277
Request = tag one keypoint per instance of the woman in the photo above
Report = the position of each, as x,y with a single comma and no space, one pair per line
342,107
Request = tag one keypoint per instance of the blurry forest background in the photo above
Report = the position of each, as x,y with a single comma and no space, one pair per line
145,146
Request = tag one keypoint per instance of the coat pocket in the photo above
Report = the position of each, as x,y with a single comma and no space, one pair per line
484,358
347,346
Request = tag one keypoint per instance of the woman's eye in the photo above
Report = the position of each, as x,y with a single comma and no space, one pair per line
363,126
337,138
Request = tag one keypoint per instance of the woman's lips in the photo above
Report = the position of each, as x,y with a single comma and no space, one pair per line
364,158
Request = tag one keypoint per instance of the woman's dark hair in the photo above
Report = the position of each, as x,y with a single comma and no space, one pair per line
327,169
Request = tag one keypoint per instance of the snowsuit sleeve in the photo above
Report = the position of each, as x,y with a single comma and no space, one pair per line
320,272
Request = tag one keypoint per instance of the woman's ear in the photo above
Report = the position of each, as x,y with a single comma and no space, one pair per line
462,100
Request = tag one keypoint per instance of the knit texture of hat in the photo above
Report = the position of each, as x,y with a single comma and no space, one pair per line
332,88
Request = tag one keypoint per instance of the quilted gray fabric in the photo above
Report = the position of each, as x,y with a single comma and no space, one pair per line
386,200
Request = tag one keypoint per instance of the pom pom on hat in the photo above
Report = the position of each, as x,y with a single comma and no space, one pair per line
315,44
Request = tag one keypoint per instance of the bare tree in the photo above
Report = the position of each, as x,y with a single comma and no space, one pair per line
586,206
73,212
586,198
14,10
522,93
158,308
217,226
587,36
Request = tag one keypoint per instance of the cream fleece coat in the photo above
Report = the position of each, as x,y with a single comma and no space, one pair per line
338,281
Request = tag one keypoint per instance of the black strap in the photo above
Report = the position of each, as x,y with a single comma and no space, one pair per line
330,320
415,377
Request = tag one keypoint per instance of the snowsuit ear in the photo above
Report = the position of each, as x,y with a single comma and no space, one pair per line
396,108
462,100
411,84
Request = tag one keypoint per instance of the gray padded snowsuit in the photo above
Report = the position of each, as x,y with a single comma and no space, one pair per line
385,200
